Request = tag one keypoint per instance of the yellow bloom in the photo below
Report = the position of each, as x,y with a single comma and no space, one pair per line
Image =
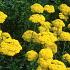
42,29
58,23
57,65
40,68
52,46
2,17
45,37
46,53
66,57
31,55
68,26
64,36
30,35
61,16
49,8
44,63
36,18
10,47
37,8
46,24
0,35
64,9
68,68
5,35
56,30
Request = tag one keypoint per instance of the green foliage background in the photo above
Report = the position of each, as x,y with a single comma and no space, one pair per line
18,12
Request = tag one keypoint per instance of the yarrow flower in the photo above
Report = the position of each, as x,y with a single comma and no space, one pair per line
46,37
68,26
44,63
2,17
64,36
31,55
66,57
52,46
58,23
37,8
63,17
57,65
30,35
10,47
64,9
49,8
37,18
46,53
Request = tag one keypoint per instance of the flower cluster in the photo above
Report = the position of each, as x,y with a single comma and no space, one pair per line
37,8
9,46
31,55
2,17
66,57
48,33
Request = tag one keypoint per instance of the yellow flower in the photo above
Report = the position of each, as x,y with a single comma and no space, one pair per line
10,47
62,16
52,46
68,68
66,57
68,26
44,63
64,9
57,65
31,55
37,8
2,17
5,35
46,24
49,8
36,18
0,35
40,68
42,29
64,36
46,53
30,35
45,37
58,23
56,30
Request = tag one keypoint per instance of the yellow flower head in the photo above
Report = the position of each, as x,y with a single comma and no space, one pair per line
44,63
46,24
2,17
66,57
37,8
52,46
56,30
46,53
68,25
31,55
45,37
64,9
40,68
49,8
62,16
30,35
57,65
64,36
0,36
5,35
68,68
10,47
37,18
58,23
42,29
